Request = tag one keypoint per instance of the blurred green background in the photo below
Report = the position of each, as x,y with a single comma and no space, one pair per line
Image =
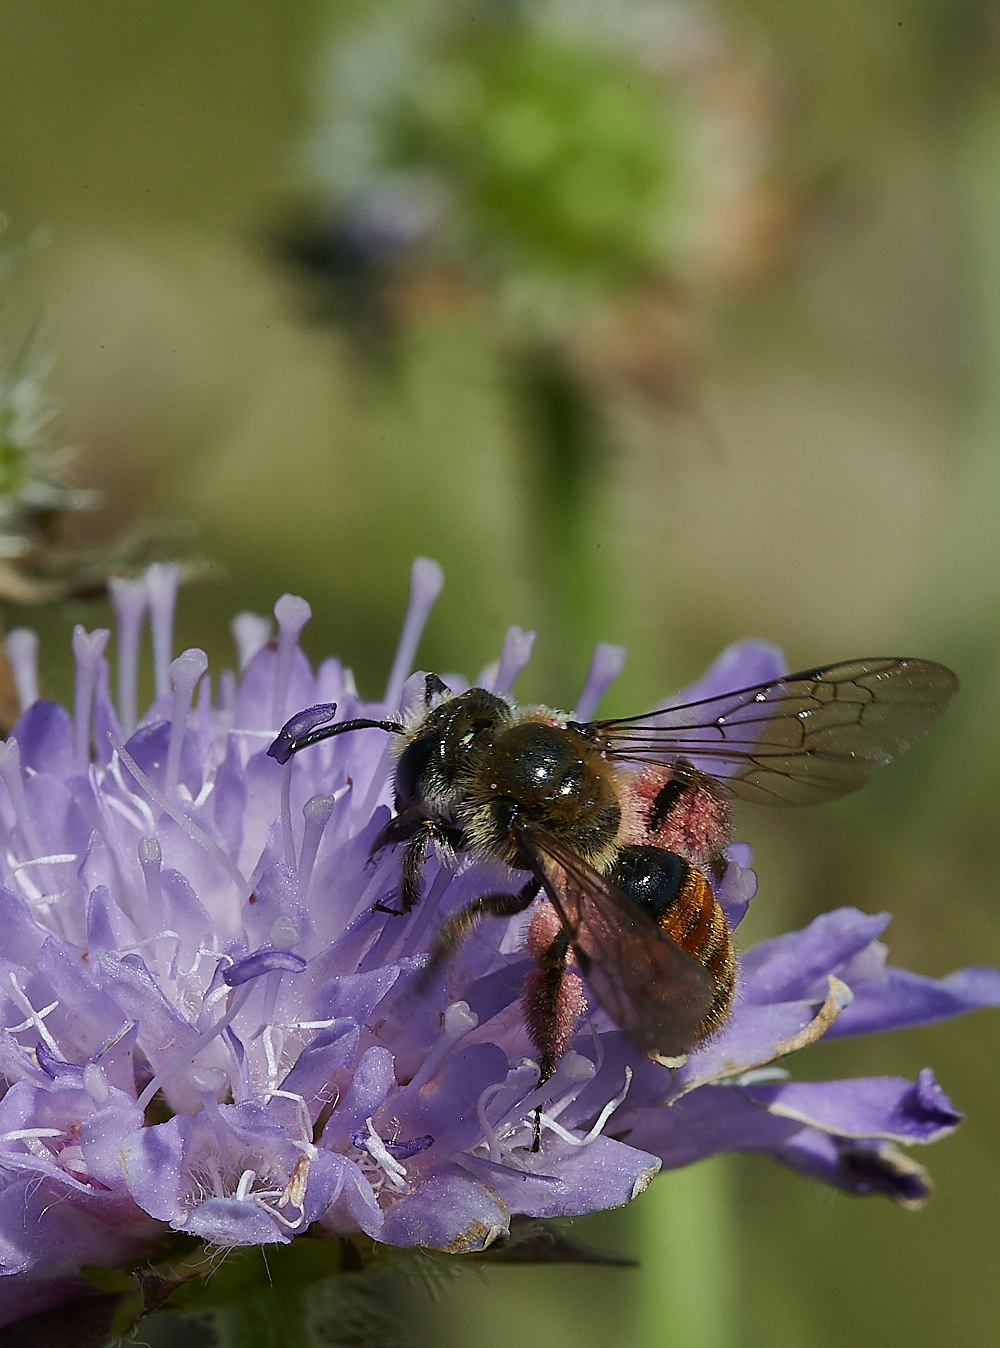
770,405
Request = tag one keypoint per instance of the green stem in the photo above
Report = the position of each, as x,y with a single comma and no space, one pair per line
686,1243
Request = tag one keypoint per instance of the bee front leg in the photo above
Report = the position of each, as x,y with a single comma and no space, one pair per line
413,864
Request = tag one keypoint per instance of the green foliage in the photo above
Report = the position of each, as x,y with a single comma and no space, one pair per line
565,159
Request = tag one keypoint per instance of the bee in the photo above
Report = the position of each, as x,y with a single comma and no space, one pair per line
621,825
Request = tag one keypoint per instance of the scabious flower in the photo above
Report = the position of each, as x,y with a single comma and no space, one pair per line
211,1026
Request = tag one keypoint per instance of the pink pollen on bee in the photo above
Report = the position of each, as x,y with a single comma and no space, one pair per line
542,932
552,1015
696,826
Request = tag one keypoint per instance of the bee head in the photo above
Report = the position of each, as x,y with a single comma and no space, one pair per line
441,748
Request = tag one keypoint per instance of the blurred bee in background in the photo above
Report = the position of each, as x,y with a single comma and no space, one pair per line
621,825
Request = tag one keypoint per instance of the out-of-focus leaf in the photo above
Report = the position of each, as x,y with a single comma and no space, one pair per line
85,1322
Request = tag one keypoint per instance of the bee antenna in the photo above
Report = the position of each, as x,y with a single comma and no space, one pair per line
288,742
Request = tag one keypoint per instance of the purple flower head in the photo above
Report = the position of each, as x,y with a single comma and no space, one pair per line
212,1022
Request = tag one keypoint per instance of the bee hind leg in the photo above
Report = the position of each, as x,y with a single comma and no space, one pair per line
554,1004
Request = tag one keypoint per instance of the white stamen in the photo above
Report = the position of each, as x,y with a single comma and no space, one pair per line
305,1123
188,825
185,672
486,1098
21,646
136,820
426,579
37,898
144,811
549,1122
57,859
251,633
20,1134
245,1184
272,1051
130,599
10,771
522,1077
258,1199
757,1075
395,1171
35,1018
572,1075
161,586
88,647
605,666
292,614
517,649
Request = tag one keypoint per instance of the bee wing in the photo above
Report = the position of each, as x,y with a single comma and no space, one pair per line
648,985
798,740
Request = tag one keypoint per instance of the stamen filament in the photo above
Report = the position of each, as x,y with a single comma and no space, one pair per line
517,648
161,588
606,664
549,1122
130,600
292,614
21,646
185,672
188,1055
426,579
316,813
88,647
178,816
10,771
150,858
286,814
251,633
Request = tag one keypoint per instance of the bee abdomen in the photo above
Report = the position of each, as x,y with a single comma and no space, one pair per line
681,901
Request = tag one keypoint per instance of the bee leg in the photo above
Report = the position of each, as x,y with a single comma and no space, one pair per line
417,832
413,863
453,932
413,860
546,1015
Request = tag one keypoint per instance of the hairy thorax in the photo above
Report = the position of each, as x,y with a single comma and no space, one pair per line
537,771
